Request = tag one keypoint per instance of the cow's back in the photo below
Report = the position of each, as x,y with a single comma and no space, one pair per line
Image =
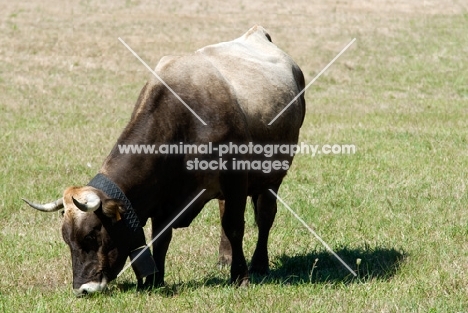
264,80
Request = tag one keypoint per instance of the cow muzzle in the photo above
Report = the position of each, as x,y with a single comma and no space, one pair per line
91,287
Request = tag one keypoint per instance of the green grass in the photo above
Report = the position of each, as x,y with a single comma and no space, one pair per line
67,88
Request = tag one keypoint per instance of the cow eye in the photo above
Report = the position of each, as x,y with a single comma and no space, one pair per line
90,237
89,242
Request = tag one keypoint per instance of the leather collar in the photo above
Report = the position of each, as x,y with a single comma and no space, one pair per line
102,182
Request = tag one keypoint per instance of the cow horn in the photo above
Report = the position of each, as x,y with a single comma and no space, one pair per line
92,204
48,207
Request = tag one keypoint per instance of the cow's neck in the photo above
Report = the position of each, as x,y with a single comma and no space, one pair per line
139,175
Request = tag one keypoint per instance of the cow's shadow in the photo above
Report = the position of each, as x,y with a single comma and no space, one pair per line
322,267
316,267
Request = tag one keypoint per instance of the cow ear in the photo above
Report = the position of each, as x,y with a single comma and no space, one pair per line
113,208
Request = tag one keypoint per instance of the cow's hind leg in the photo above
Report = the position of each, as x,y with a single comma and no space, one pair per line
225,251
265,212
160,247
234,188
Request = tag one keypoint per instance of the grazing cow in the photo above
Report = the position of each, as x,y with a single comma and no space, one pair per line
237,87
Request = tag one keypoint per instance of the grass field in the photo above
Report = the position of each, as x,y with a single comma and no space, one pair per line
400,94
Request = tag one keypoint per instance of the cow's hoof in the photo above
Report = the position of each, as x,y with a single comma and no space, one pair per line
150,283
140,284
244,283
241,282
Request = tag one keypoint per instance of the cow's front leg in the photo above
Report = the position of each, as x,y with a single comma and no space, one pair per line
160,247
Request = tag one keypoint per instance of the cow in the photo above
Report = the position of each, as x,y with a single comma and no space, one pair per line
238,87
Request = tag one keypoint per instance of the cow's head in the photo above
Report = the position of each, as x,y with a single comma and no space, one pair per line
92,229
